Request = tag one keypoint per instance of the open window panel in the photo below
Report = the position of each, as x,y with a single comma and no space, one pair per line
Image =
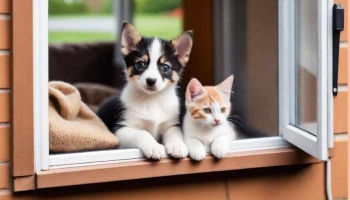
306,75
280,56
280,52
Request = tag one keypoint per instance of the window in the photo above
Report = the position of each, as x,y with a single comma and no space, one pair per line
288,102
282,94
306,83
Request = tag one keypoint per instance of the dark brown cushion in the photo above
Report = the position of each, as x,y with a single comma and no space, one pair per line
92,63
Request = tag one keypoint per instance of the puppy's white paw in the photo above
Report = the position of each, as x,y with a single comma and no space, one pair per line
197,153
177,149
154,151
219,149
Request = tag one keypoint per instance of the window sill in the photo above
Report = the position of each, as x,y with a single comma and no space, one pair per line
169,167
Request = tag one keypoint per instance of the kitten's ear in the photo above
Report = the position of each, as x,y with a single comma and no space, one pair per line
226,86
194,90
183,45
129,38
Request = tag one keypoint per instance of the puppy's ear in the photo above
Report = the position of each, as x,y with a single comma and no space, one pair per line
183,45
129,38
194,90
226,86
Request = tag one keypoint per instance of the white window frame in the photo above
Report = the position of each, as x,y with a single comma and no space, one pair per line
316,145
44,161
41,77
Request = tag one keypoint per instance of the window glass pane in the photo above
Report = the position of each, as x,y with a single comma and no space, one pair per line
81,21
306,64
163,19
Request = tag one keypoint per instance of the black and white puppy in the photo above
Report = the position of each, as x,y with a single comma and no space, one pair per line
149,99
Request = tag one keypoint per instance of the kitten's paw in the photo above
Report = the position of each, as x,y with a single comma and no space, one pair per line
219,149
154,151
177,149
197,153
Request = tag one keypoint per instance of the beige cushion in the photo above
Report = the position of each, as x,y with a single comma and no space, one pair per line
72,125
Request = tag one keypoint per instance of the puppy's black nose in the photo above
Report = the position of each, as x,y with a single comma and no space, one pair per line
151,81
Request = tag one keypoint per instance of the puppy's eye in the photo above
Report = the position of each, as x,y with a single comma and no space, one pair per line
223,109
165,68
207,110
140,65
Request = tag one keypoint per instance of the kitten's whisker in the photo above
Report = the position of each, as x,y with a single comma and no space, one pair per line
235,122
238,128
236,116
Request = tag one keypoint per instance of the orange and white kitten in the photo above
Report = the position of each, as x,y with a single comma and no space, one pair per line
206,127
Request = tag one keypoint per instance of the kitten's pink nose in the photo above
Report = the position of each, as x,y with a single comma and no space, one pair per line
217,121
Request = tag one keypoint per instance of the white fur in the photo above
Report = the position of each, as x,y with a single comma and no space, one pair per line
148,117
155,52
202,137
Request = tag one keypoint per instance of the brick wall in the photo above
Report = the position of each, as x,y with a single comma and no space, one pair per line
339,170
340,102
5,89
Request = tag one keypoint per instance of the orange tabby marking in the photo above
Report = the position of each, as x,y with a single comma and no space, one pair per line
212,95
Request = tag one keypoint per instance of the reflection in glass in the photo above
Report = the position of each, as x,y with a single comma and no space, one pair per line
306,64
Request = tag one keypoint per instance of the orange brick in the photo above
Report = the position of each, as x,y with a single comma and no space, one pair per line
4,176
5,107
5,6
343,66
339,168
340,112
344,34
4,34
4,143
4,71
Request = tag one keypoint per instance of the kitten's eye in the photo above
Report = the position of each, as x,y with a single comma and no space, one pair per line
207,110
223,109
140,65
165,68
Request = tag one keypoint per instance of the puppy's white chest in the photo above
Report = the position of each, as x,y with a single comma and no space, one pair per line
153,115
152,111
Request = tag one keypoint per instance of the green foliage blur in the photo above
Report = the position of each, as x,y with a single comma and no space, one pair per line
81,7
155,6
64,7
107,7
149,19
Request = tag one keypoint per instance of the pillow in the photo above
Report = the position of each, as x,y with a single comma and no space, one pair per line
94,94
72,125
